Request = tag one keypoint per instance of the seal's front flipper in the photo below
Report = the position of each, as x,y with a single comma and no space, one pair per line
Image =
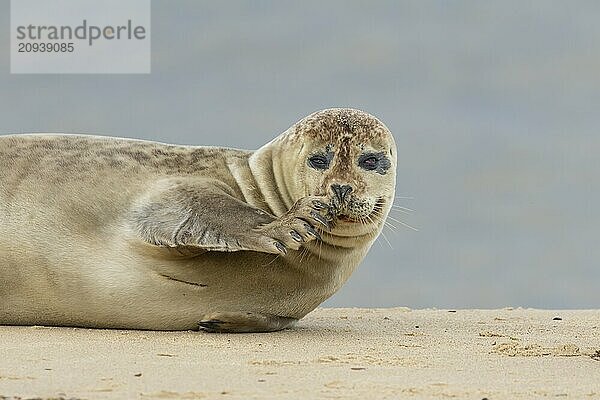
194,215
244,322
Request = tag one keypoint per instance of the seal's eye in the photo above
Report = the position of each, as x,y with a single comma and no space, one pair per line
377,162
369,163
319,161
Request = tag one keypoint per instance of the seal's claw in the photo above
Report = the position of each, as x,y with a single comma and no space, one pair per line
321,219
281,247
296,228
296,236
312,231
240,322
319,205
210,325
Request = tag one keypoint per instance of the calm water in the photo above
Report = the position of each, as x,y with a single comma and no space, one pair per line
494,106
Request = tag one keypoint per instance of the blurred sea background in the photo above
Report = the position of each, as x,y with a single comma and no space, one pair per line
495,107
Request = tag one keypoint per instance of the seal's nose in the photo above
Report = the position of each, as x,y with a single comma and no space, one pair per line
341,191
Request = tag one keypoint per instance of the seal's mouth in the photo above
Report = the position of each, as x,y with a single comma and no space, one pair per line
373,216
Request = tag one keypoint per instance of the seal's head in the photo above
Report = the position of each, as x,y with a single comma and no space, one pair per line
345,154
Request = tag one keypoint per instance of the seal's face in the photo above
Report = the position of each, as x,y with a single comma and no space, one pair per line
350,156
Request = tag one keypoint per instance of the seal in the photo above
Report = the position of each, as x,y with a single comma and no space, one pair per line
119,233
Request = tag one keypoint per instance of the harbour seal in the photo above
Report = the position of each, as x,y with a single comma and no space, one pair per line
119,233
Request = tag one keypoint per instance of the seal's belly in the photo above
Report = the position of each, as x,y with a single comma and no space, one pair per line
121,288
176,294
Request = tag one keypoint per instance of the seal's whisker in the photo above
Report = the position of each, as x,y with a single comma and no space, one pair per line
403,223
400,211
386,223
378,213
386,239
303,252
393,219
377,238
272,261
320,247
392,227
397,207
365,220
362,220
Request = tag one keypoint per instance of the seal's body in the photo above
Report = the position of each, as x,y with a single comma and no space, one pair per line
116,233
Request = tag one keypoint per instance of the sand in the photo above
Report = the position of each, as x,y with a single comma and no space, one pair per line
332,353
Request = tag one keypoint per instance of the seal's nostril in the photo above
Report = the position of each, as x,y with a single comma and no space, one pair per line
335,188
346,190
341,191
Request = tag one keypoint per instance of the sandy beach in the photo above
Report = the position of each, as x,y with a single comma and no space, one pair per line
332,353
